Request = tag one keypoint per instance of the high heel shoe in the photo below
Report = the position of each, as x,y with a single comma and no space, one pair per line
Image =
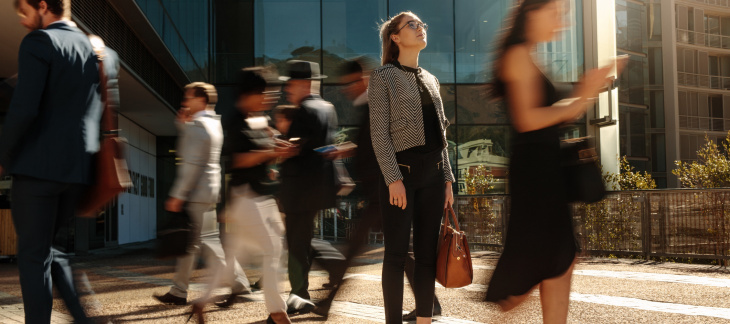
197,310
281,318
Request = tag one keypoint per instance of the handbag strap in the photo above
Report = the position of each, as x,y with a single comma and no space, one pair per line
449,210
107,116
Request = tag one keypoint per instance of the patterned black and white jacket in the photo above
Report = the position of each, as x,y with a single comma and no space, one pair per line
396,117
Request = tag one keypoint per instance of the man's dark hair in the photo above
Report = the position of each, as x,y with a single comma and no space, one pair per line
204,90
61,8
251,81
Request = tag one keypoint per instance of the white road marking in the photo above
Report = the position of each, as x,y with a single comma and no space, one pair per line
683,279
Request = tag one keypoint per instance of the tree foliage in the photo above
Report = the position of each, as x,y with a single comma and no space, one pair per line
628,178
712,170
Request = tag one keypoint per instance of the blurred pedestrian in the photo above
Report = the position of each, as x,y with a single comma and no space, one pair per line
408,128
307,179
540,247
252,218
50,134
197,185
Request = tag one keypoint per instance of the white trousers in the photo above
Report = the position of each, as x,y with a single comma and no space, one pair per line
255,226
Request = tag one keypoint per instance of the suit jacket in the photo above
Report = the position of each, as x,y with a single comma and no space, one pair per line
307,180
199,148
396,117
51,129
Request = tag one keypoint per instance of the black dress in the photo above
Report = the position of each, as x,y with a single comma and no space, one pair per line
540,241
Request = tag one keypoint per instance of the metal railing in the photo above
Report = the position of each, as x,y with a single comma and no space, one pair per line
703,39
680,223
673,223
719,3
703,81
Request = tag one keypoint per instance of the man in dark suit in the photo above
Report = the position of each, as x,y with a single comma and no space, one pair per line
49,136
307,180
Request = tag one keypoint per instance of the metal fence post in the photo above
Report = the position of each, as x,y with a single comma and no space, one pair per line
646,225
321,224
334,215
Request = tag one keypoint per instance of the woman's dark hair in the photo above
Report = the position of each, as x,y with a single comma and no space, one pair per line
514,36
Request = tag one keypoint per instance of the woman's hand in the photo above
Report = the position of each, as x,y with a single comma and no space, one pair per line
449,195
397,194
593,81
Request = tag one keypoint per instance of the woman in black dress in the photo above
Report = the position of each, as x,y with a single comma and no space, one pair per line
540,247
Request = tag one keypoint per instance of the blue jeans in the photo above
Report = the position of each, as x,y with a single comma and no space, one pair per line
39,208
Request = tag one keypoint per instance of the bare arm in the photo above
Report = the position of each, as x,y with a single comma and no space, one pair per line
525,93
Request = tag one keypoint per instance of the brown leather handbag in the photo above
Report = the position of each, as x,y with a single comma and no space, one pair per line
453,266
112,174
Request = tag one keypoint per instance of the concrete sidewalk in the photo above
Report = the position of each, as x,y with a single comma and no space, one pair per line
604,291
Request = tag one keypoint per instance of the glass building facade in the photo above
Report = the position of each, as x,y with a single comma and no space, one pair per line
184,27
641,87
461,39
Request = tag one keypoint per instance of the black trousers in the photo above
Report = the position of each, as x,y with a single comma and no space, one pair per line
425,193
39,209
303,250
371,219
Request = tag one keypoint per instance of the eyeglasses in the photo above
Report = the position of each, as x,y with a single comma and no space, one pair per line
413,25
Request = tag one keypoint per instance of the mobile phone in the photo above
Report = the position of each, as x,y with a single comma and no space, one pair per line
325,149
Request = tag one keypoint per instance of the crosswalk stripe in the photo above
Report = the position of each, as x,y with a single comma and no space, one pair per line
683,279
641,304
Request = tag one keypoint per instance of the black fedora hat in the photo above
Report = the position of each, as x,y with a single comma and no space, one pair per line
303,70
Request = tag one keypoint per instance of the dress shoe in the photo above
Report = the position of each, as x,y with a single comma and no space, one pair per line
298,305
231,299
322,308
256,286
410,317
171,299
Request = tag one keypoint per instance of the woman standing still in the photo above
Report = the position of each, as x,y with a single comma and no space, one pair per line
408,130
540,247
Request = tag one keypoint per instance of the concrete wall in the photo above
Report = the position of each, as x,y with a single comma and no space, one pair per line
137,208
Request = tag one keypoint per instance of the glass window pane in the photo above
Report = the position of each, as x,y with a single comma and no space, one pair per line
656,107
448,97
346,115
482,148
349,30
287,29
438,56
563,57
473,108
658,153
478,26
655,21
233,39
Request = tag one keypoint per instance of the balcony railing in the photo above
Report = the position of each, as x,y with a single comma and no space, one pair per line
719,3
681,223
703,39
703,81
